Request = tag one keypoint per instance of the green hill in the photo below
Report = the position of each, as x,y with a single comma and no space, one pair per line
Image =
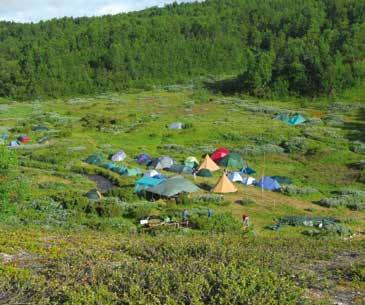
276,47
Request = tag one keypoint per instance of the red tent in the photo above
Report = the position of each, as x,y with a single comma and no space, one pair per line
220,153
24,139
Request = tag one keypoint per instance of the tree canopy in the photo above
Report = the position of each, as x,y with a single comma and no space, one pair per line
285,47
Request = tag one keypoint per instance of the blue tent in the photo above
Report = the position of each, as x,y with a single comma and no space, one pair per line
296,120
269,183
147,182
143,159
247,171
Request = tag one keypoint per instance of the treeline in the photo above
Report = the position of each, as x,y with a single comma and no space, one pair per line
282,47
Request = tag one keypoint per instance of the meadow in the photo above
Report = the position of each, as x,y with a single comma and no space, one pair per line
58,247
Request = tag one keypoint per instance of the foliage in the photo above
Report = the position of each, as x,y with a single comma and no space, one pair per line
218,223
273,51
352,199
292,190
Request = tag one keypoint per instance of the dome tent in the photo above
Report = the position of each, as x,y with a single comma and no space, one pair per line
233,160
219,154
143,159
173,186
235,177
247,171
269,184
191,162
204,173
248,180
162,163
176,125
119,156
151,173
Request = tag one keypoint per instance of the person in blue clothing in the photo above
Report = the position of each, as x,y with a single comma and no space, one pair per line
210,213
184,215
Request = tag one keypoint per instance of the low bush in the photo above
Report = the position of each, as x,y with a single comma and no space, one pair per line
296,144
358,147
219,223
259,150
352,199
333,120
292,190
246,201
210,199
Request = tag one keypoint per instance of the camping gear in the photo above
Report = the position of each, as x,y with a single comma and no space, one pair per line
119,156
204,173
224,186
181,169
132,172
162,163
248,180
95,159
93,195
191,162
219,154
14,144
282,180
232,160
269,183
40,128
24,139
235,177
143,159
247,171
173,186
176,125
208,164
296,120
151,173
147,182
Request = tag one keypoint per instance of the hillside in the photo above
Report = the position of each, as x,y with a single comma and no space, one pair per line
280,47
59,247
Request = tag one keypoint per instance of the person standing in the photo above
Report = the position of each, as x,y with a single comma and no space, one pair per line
246,220
210,213
184,217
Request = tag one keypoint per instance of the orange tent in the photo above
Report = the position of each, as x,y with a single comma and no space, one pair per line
224,186
208,163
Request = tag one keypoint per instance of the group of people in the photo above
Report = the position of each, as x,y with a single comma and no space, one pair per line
185,215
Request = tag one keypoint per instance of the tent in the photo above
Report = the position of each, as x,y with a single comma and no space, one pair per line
14,144
147,182
248,180
247,171
181,169
173,186
224,186
235,177
162,163
268,183
109,165
219,154
121,170
143,159
176,125
132,172
208,164
204,173
284,117
151,173
94,195
119,156
191,162
95,159
40,128
282,180
233,160
296,120
24,139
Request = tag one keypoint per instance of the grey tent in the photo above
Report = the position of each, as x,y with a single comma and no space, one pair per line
173,186
14,144
162,163
176,125
181,169
119,156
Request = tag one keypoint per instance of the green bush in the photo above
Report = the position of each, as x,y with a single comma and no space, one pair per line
352,199
292,190
218,223
296,144
358,147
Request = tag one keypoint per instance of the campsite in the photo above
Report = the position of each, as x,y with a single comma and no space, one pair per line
162,181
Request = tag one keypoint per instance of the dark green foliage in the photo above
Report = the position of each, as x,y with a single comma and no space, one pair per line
276,47
219,223
296,144
352,199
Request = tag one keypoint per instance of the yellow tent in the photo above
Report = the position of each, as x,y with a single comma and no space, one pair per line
208,163
224,186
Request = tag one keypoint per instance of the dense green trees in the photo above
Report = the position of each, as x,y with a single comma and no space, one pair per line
282,46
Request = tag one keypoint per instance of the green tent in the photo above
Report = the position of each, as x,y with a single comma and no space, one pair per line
173,186
132,172
233,160
296,120
95,159
284,117
204,173
93,195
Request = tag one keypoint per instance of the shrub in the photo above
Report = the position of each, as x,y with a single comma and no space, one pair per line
210,199
296,144
219,223
246,201
358,147
292,190
352,199
259,150
333,120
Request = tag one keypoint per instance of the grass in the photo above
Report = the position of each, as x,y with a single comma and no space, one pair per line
53,255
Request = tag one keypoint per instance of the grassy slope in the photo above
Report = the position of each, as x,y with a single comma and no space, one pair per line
142,117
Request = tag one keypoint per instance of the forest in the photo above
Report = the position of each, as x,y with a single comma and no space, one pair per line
266,48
